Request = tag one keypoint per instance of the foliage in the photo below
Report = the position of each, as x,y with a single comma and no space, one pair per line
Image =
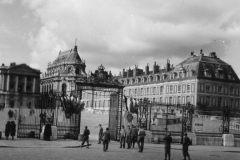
71,105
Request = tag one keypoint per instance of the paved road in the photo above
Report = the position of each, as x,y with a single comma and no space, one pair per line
60,149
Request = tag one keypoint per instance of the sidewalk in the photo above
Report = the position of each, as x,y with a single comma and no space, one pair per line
61,143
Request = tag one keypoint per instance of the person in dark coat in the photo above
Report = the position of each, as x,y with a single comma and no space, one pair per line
86,134
186,143
167,146
129,137
7,129
100,134
13,129
141,136
134,135
48,131
106,139
122,137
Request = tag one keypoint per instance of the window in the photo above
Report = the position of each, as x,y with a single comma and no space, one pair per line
29,79
192,99
214,89
180,74
202,100
179,100
193,87
129,92
12,104
226,90
207,101
21,103
184,88
231,90
237,91
167,90
219,89
226,102
161,101
154,90
141,92
161,89
231,103
171,89
208,88
183,100
166,100
64,89
170,100
175,89
188,99
201,87
188,88
219,102
135,91
213,101
179,88
147,91
237,103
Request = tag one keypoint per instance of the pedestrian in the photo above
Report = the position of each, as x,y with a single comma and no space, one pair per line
134,135
129,137
141,135
106,139
167,146
48,130
122,137
7,129
86,134
186,143
100,134
13,129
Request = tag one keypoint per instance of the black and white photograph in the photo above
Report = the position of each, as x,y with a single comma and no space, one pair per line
119,79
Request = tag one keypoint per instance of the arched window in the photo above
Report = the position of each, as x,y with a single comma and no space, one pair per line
64,89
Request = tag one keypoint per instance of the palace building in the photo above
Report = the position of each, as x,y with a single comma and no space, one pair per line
204,81
19,86
62,73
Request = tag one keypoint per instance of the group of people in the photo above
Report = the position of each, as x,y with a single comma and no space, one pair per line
10,129
131,136
167,146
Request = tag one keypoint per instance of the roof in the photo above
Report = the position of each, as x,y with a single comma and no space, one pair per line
68,56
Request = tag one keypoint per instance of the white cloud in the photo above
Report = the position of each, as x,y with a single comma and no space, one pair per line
7,1
134,32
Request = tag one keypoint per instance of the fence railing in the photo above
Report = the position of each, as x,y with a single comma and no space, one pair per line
28,131
67,132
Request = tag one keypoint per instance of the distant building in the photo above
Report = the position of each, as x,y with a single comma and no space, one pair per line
204,81
19,86
62,73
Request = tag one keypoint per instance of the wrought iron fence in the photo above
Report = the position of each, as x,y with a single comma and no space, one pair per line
67,132
28,131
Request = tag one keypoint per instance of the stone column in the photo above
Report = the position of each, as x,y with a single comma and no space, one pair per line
16,84
8,79
25,85
228,140
34,84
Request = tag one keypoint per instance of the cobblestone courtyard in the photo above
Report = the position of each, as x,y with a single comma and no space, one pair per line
34,149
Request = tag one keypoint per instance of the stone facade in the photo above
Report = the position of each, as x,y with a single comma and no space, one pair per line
19,86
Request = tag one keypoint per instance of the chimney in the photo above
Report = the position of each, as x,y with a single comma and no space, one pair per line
155,68
201,53
192,54
168,65
147,70
75,48
128,72
3,64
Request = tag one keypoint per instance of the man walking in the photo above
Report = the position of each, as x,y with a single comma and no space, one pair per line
186,143
134,135
141,135
86,134
167,146
122,137
129,137
106,139
100,134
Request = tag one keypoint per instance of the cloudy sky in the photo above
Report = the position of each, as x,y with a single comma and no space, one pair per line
118,33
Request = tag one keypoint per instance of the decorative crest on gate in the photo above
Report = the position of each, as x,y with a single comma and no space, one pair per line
100,76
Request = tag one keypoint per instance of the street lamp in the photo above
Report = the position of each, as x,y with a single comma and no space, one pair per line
167,119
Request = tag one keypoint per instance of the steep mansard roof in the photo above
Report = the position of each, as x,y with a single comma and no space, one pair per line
68,56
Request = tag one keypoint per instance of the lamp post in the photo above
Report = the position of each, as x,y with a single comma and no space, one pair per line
167,119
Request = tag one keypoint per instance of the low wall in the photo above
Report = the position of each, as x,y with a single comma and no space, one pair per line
210,141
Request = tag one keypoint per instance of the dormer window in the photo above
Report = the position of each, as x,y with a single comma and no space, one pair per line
207,73
180,75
